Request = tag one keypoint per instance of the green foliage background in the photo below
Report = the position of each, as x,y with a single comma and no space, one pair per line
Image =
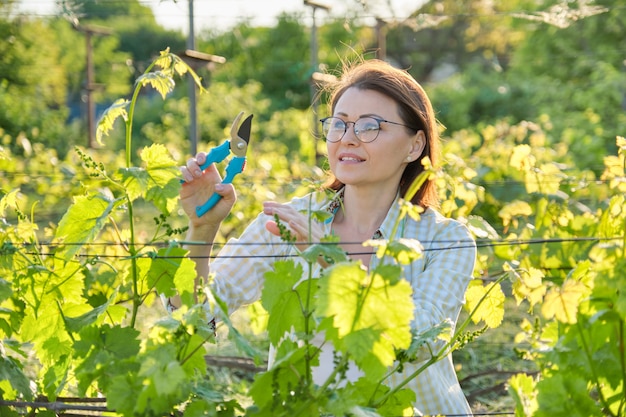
530,106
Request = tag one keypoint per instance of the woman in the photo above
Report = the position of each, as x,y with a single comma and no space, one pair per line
381,128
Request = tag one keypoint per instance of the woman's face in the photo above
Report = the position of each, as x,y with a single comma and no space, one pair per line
380,163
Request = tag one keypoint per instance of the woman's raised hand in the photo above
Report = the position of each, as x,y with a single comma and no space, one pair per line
199,186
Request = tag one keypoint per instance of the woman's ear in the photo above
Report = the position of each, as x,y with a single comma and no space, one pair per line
417,146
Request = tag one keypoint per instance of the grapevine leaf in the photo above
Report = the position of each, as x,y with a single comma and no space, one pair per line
157,182
320,216
280,299
286,373
330,253
110,115
75,324
172,273
122,393
514,209
403,250
522,390
521,158
545,180
117,341
8,200
485,303
159,80
565,395
11,373
562,302
282,279
82,222
161,369
370,317
407,208
105,351
529,286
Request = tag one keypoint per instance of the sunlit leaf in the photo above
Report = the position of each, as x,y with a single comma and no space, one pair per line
370,316
9,200
162,82
82,222
110,115
562,302
522,390
521,158
485,303
157,182
514,209
75,324
529,286
172,273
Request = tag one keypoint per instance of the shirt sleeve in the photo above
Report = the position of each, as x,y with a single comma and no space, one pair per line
238,270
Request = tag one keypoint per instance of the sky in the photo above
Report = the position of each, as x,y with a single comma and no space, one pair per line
223,14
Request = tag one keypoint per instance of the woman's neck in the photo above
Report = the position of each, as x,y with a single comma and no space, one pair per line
364,210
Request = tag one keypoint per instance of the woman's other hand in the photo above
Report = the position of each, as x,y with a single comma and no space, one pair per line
297,223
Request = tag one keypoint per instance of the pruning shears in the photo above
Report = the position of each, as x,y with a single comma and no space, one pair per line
238,146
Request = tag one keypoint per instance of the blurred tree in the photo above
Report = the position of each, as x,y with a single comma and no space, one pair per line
572,65
33,83
276,57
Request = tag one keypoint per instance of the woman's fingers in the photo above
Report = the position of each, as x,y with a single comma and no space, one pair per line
298,223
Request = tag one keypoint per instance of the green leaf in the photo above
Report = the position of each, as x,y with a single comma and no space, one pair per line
122,393
522,158
330,253
159,80
157,182
371,316
282,301
12,372
117,341
75,324
106,122
404,251
281,280
529,286
562,302
172,273
522,390
9,200
82,222
511,211
485,303
161,369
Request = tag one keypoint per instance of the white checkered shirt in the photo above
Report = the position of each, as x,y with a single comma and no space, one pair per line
439,280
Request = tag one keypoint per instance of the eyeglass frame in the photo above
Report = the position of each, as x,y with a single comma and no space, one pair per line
378,119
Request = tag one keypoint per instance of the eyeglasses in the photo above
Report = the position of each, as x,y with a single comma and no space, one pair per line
366,129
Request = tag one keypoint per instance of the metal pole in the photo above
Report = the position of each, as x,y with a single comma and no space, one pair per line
193,120
381,37
91,107
314,68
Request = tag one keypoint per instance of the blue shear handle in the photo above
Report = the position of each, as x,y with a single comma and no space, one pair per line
217,154
235,166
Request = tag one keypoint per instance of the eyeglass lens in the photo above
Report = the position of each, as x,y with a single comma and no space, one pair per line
366,128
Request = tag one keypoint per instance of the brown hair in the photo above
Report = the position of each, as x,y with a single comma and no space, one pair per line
414,108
